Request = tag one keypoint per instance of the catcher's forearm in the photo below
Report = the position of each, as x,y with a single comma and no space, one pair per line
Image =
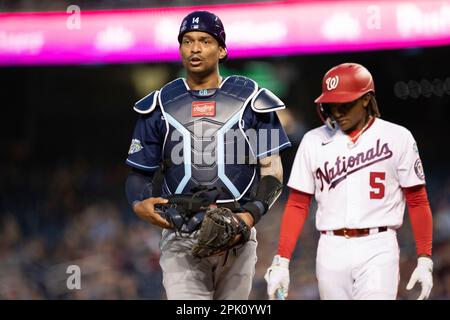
138,186
268,191
272,166
269,187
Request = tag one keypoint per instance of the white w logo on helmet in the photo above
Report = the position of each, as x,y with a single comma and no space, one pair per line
332,82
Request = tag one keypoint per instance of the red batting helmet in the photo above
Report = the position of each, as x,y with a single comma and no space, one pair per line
344,83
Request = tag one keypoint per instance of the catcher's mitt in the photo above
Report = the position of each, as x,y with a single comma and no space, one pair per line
218,232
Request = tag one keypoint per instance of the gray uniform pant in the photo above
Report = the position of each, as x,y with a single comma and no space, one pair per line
224,277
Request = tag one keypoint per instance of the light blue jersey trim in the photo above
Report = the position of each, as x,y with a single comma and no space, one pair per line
279,147
186,151
221,154
141,165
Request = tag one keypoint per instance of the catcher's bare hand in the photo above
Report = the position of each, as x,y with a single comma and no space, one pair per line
145,210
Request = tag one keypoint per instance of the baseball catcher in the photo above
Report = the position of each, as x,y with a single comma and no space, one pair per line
217,141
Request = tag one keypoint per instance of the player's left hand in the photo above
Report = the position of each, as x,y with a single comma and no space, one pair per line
246,216
424,275
218,232
277,278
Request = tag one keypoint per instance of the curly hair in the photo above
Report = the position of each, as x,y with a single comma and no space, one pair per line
372,107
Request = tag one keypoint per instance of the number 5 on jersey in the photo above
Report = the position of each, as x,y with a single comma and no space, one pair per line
376,182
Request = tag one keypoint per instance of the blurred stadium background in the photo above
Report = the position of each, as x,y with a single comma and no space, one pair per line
65,129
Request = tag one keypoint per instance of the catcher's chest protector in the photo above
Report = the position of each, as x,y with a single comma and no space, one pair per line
205,131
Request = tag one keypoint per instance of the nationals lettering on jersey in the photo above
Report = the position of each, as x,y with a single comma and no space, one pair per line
358,185
346,166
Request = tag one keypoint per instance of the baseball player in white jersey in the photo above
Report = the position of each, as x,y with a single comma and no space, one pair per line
361,170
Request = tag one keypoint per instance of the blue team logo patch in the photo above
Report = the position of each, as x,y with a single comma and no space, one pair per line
418,168
136,146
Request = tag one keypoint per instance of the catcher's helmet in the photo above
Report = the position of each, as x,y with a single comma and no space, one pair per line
203,21
343,83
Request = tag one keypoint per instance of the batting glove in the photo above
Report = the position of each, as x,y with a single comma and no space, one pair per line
277,277
424,275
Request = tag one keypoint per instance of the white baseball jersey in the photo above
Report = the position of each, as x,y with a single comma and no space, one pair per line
358,185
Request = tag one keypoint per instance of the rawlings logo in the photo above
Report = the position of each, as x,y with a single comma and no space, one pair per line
203,108
345,167
332,82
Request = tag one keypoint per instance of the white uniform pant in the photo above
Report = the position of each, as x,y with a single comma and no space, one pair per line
358,268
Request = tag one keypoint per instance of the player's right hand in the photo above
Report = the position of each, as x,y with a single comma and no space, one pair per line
277,277
145,210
